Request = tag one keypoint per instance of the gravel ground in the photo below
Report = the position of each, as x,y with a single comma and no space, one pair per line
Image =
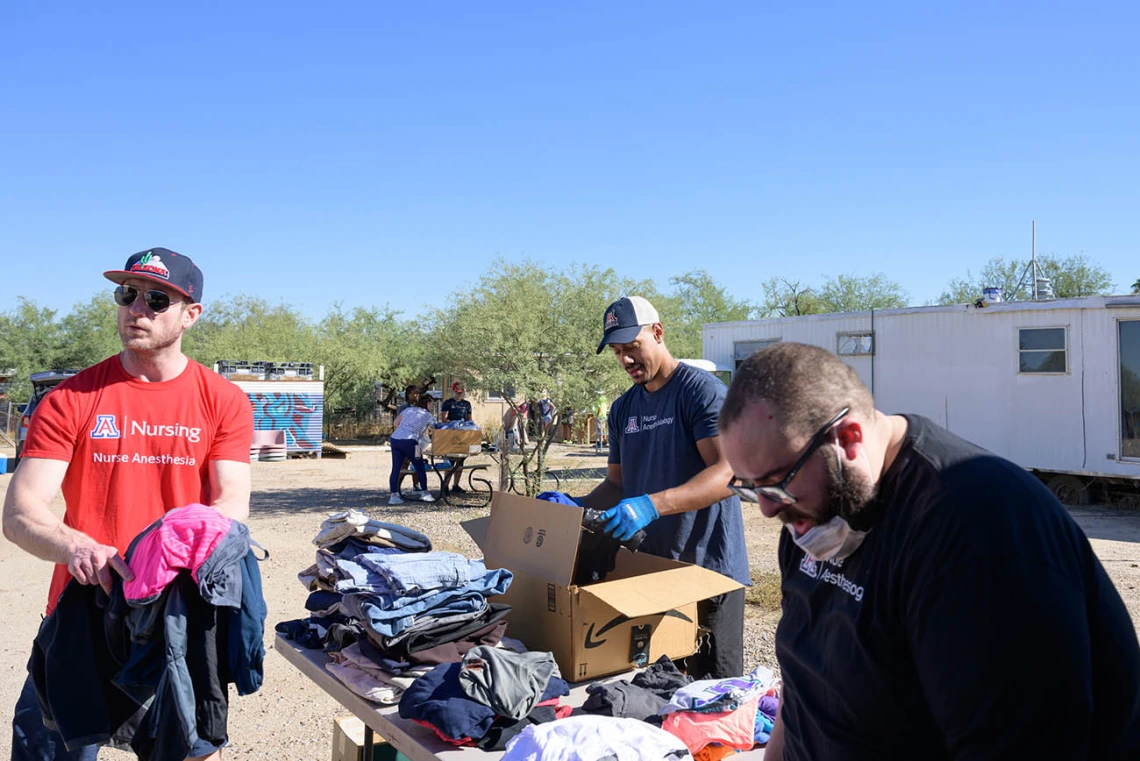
291,718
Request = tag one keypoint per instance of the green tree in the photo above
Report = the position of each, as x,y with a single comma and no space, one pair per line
521,330
31,342
842,293
1071,276
694,301
89,333
1136,287
788,298
849,293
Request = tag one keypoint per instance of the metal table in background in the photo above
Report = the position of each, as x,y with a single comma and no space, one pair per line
416,742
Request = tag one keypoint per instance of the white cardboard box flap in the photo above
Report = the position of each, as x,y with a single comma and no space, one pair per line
666,590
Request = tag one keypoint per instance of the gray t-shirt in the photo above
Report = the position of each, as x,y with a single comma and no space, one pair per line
653,436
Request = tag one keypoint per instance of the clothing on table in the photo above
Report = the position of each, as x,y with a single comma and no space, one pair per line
642,697
437,698
406,450
511,683
361,675
387,614
714,752
733,729
763,729
355,524
94,419
590,738
716,695
973,606
450,644
433,625
416,573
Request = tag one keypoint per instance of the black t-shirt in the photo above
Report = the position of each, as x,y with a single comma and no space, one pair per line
456,409
975,622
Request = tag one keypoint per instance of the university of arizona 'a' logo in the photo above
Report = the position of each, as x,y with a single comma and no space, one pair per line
631,426
809,566
105,428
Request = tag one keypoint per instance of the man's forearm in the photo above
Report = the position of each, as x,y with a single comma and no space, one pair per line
604,496
36,530
702,490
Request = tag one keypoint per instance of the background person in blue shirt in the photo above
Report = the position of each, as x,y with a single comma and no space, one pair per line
455,409
666,474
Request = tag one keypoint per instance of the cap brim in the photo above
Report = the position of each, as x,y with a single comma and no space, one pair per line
118,276
619,336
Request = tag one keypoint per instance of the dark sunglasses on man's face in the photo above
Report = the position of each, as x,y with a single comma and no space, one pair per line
779,493
157,301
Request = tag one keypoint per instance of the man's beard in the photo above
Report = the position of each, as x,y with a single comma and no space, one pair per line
847,492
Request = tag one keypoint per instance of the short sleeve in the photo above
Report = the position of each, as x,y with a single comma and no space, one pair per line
234,434
53,430
614,429
703,408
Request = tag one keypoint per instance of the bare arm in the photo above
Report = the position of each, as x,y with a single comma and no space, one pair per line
230,487
30,524
608,493
703,489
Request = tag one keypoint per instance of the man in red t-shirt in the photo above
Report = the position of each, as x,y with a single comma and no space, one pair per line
138,434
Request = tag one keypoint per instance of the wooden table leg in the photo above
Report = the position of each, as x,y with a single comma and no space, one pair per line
369,741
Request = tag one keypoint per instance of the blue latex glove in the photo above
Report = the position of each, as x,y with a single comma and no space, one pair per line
629,517
560,497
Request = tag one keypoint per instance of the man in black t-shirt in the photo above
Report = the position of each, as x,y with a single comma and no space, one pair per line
938,601
455,409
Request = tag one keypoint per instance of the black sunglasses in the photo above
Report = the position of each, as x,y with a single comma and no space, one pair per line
779,493
157,301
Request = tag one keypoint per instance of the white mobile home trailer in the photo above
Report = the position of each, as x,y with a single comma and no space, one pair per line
1051,385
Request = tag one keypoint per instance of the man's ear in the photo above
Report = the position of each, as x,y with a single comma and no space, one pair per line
190,315
849,434
658,332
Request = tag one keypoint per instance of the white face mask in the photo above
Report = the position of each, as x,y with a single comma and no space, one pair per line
834,540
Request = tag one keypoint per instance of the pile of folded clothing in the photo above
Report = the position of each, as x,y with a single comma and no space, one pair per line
387,608
488,698
717,717
714,718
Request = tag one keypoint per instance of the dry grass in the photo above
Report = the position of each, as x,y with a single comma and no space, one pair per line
764,592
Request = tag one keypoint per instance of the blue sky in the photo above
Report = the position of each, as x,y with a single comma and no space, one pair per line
386,152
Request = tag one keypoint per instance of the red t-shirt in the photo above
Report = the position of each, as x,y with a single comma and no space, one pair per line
136,449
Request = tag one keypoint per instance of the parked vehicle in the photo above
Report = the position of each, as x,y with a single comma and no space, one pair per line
42,383
1053,386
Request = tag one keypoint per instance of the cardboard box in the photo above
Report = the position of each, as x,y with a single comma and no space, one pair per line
452,442
348,743
646,608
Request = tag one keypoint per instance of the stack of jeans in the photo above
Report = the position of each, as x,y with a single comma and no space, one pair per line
388,610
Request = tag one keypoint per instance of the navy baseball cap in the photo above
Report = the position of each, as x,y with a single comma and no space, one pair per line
624,319
162,266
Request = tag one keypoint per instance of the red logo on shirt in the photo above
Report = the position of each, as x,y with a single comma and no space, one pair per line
631,426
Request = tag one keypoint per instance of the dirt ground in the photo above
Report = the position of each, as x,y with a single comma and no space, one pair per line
291,718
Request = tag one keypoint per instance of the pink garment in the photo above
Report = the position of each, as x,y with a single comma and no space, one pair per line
183,540
734,729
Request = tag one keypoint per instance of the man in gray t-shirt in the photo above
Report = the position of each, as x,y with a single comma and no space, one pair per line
666,474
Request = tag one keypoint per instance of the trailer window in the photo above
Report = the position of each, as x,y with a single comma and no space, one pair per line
742,350
855,344
1042,350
